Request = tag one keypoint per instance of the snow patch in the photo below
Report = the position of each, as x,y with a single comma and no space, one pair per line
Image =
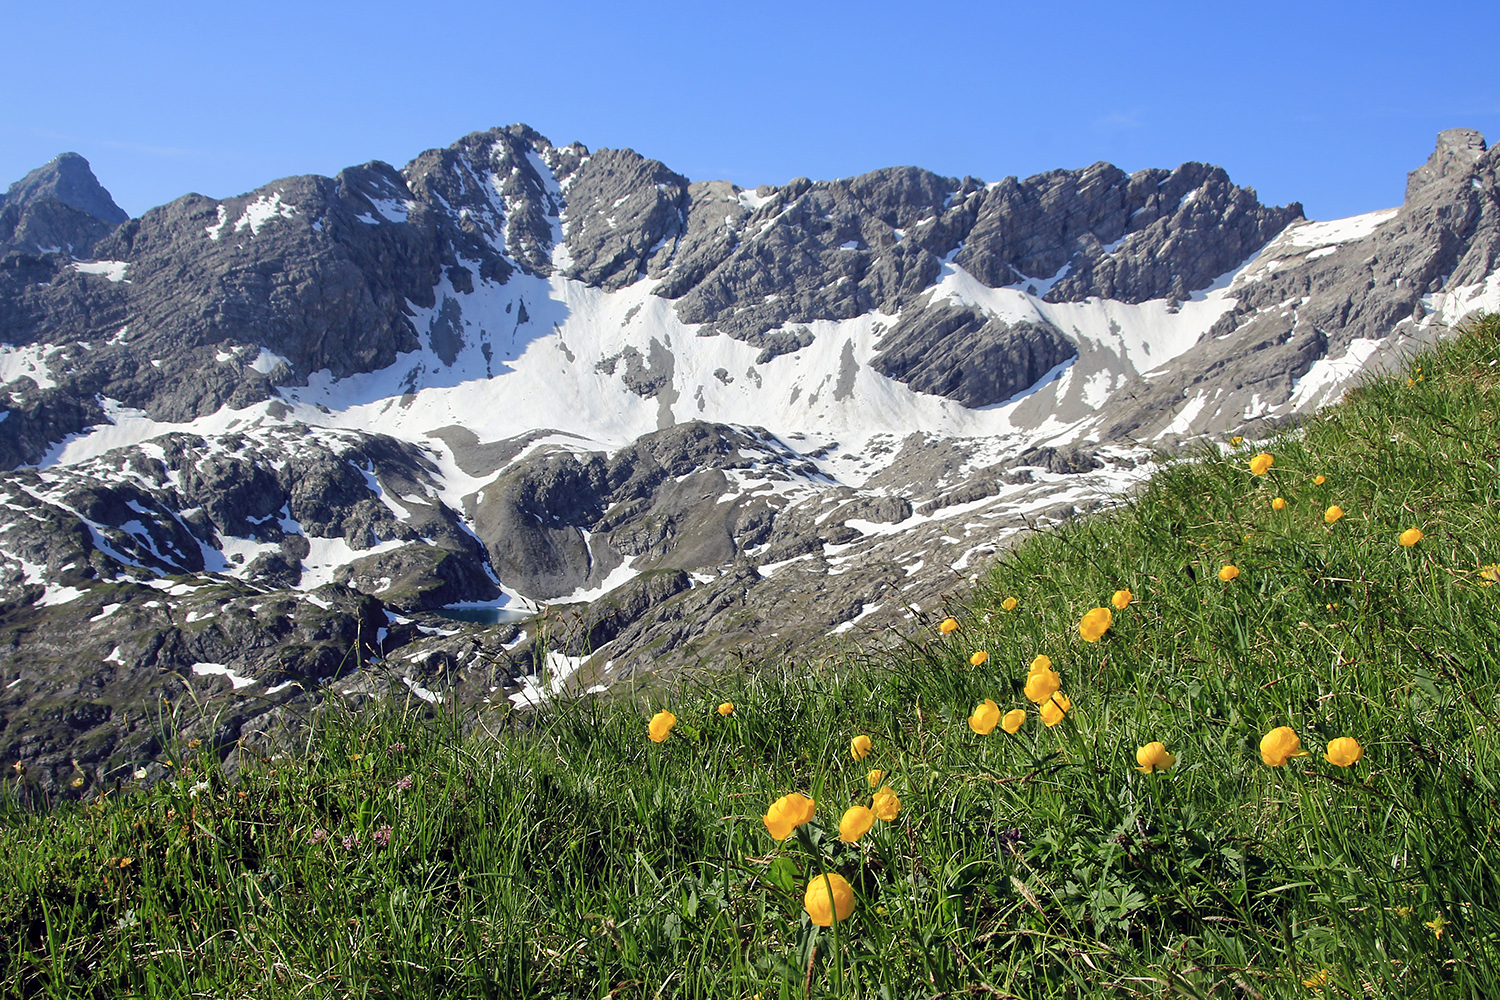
113,270
218,669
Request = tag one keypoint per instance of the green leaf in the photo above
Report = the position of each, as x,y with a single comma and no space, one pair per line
783,874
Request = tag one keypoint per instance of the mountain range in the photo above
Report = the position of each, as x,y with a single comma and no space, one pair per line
518,421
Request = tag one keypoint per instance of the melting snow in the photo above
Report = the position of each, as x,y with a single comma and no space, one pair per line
1326,379
263,210
114,270
219,669
1321,234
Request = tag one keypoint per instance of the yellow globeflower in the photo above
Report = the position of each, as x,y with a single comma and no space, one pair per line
859,746
661,724
1041,685
1042,662
1319,480
1489,575
787,813
1333,514
985,717
874,778
1095,623
1013,721
1411,536
948,625
855,824
726,708
885,804
1122,599
980,658
1344,751
1280,745
1278,504
1228,572
828,898
1009,604
1261,463
1154,757
1053,711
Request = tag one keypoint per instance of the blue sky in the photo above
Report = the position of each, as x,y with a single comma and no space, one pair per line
1327,103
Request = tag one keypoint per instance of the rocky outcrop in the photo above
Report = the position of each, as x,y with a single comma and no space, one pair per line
966,355
560,522
90,684
57,208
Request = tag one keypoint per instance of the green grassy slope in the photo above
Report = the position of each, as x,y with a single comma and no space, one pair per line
579,858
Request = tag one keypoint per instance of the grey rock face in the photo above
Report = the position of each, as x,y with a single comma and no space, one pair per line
495,200
965,355
622,209
66,179
1316,302
88,681
57,208
644,504
1066,461
1131,237
830,250
48,225
833,250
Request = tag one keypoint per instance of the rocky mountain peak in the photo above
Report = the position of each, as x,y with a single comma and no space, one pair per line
68,179
1458,150
58,207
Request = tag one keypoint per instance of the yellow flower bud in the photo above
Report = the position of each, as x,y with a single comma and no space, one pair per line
859,746
855,824
1009,604
1121,599
1278,504
661,725
1411,536
1344,751
1095,623
1154,757
1280,745
1042,685
1333,514
985,717
1052,711
787,813
1261,464
948,625
1013,721
980,658
828,898
886,805
1228,572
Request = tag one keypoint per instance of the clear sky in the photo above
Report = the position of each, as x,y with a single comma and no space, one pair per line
1327,103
